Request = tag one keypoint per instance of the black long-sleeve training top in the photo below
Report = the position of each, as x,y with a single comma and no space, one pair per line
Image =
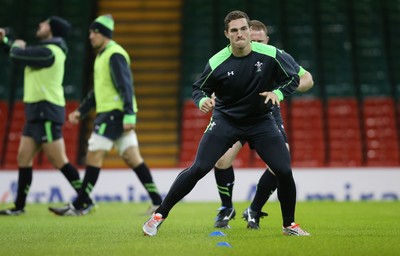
237,82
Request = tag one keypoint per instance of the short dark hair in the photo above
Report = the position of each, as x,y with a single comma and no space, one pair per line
235,15
258,25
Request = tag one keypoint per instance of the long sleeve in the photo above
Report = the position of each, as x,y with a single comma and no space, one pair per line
287,75
123,82
87,104
34,56
202,88
6,44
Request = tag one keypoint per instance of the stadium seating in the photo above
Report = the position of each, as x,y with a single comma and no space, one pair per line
300,33
306,136
370,58
194,123
393,42
350,47
14,135
3,127
335,54
381,136
71,136
155,50
344,136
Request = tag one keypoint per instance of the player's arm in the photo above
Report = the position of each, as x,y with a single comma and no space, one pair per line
87,104
306,81
287,78
3,38
123,82
202,91
5,42
34,56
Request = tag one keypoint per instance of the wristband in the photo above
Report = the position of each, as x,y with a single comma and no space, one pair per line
279,94
129,119
202,101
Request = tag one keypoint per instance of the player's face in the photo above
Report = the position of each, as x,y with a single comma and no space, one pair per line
238,33
97,40
259,36
44,30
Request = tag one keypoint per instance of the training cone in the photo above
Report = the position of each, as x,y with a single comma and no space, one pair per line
224,244
217,233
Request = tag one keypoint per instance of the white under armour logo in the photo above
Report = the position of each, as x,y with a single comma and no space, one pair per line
230,73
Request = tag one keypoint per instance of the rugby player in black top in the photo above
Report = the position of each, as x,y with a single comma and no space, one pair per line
247,78
224,173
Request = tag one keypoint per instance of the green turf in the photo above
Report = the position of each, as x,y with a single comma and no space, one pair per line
348,228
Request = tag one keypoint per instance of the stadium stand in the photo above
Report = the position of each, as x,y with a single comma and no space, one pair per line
344,137
351,118
3,127
307,143
155,52
17,118
381,136
23,18
193,125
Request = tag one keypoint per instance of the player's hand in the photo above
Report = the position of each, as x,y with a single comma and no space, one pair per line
20,43
207,105
213,97
2,34
74,117
213,102
129,127
270,96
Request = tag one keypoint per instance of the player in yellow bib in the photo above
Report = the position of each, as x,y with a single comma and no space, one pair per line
44,105
113,98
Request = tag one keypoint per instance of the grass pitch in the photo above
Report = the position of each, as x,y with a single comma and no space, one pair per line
337,228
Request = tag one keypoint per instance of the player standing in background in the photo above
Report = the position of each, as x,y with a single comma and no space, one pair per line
44,105
224,173
247,79
114,100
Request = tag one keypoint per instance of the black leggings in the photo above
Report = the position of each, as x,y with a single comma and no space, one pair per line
277,158
210,149
273,151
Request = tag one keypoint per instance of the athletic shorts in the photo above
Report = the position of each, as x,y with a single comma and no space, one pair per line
99,142
43,131
111,130
109,124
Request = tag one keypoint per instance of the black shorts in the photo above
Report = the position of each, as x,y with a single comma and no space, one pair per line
43,131
109,124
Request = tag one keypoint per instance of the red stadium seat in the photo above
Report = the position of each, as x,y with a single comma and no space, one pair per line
194,123
3,125
344,136
14,135
71,136
380,132
306,137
